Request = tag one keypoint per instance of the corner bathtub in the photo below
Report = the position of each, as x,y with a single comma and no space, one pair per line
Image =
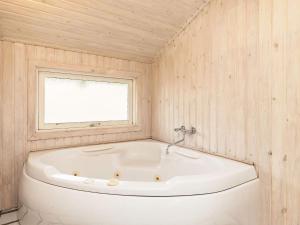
136,183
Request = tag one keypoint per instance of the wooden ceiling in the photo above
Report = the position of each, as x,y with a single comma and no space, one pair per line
130,29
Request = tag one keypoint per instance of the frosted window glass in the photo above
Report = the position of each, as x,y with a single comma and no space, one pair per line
72,100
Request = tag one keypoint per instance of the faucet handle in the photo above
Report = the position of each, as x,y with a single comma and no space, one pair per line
182,128
193,130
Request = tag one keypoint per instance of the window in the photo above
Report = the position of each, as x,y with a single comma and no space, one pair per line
67,100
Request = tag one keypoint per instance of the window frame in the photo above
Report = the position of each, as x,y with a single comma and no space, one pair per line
54,73
96,133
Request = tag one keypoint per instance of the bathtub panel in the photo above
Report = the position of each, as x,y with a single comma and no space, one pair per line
232,207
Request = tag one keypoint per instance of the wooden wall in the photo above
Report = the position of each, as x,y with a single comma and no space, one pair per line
234,74
14,144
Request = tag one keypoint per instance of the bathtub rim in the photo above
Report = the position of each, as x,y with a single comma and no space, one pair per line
24,174
160,189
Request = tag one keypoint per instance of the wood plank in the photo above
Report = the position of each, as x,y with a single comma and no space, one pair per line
8,123
292,182
279,112
20,110
264,133
1,125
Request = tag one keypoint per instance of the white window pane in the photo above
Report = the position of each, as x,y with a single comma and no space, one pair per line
75,100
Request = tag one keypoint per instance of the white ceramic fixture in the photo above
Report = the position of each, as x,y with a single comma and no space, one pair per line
136,183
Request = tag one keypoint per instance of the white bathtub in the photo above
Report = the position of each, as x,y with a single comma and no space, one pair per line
136,183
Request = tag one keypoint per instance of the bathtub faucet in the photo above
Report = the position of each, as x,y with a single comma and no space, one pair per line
184,132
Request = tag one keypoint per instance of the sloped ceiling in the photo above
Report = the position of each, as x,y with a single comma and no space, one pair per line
130,29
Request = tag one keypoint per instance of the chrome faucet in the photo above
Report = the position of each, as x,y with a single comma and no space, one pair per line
184,132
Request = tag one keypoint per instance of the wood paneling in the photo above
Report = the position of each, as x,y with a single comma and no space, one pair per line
14,136
203,79
234,75
124,29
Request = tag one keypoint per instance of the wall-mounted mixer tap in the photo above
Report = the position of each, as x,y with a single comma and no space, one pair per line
184,132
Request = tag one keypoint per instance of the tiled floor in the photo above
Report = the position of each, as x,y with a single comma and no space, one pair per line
9,219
